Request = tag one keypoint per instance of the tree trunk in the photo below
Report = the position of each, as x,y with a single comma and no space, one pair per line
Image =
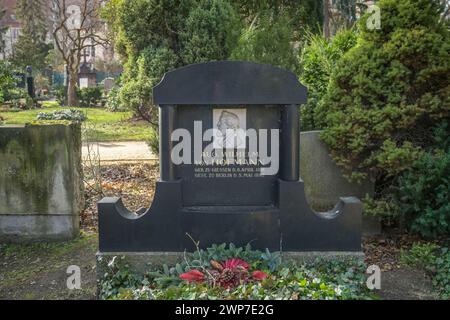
326,19
72,99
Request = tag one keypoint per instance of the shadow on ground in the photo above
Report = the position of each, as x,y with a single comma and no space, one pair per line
406,284
38,271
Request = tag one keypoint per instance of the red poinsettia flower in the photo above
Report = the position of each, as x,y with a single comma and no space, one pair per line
259,275
193,276
234,263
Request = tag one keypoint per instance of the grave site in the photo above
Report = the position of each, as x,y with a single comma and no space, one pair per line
268,210
245,152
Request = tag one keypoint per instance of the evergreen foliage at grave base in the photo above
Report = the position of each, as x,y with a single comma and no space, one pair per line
423,196
435,260
344,279
419,197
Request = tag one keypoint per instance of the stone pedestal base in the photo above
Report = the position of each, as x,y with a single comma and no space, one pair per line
38,227
289,226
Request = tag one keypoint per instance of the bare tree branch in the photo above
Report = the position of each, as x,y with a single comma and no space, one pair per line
72,37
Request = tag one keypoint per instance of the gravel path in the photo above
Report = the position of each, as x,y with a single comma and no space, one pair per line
119,151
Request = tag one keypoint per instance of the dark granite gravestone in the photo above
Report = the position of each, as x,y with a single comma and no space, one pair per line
20,80
243,197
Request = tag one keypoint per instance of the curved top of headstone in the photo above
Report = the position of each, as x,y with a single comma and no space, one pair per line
229,82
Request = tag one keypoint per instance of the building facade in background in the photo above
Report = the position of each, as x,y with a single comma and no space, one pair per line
12,26
91,56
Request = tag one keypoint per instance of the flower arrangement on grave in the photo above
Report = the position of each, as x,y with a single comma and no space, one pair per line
227,274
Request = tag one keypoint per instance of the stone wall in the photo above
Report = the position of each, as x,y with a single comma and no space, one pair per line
41,189
324,182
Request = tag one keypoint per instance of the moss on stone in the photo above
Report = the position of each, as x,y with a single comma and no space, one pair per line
41,169
49,122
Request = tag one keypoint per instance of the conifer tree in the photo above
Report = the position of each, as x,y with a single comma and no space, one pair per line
31,48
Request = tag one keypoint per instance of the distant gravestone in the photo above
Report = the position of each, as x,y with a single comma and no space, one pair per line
30,82
86,76
109,84
20,80
84,83
229,169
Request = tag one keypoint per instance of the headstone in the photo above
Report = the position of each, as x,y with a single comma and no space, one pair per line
30,82
109,84
20,80
41,183
229,169
84,83
87,76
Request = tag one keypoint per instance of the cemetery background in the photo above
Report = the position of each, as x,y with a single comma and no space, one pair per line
317,61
